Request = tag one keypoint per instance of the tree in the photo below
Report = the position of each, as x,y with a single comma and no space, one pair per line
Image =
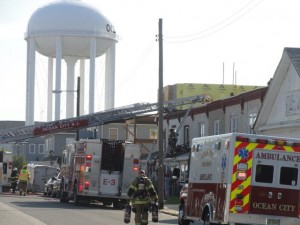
18,161
172,140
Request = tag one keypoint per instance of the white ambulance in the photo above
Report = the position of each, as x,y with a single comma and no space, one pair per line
240,179
99,170
6,163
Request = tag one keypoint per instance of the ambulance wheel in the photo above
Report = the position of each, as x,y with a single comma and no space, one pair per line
206,218
183,222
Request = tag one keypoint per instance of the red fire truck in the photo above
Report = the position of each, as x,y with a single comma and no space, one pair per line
240,179
99,170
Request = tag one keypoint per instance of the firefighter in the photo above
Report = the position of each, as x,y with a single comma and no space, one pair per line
14,179
142,193
23,180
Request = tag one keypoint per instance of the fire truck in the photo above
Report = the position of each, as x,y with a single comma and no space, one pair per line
99,170
240,179
6,160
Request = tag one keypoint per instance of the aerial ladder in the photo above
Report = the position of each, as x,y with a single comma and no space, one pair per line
93,119
187,112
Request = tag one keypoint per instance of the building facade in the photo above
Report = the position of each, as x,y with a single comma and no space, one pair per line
280,112
233,114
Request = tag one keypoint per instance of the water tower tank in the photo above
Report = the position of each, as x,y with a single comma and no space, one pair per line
76,22
69,30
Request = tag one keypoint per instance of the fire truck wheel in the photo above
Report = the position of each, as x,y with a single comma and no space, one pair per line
107,203
116,205
75,197
62,198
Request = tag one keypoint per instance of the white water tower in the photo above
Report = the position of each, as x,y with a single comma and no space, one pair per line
69,31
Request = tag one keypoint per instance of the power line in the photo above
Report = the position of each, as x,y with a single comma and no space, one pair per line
218,26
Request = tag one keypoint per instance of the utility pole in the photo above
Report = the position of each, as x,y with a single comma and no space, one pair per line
160,121
78,105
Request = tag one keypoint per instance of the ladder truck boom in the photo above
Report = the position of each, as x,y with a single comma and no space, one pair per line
93,119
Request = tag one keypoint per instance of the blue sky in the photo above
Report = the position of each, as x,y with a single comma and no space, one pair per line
199,36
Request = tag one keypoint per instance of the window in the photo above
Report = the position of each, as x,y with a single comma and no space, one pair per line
252,119
22,149
288,176
216,127
4,168
186,139
69,141
113,133
233,124
31,149
130,134
264,173
41,148
201,129
153,133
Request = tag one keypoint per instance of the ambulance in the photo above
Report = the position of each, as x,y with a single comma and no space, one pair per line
99,170
6,163
238,179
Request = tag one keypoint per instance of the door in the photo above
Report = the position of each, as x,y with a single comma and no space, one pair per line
275,183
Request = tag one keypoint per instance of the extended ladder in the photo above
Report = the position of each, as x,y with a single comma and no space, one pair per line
91,120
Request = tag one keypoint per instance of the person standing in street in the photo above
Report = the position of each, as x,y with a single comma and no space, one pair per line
13,179
23,180
142,193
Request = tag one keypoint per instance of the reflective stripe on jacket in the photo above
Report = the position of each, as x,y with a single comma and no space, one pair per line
24,175
150,193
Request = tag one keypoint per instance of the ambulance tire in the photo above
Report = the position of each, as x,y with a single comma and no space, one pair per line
206,218
183,222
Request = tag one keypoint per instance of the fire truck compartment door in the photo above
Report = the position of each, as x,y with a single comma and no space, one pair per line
275,183
109,182
132,152
94,174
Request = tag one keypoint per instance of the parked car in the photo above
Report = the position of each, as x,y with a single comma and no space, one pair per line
48,187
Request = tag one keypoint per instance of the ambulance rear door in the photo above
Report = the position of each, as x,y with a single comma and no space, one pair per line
275,183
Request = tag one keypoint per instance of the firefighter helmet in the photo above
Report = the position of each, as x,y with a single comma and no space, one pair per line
142,172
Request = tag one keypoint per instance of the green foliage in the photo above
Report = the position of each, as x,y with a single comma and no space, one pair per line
173,200
172,142
18,161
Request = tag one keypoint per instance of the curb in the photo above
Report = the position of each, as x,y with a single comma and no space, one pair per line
18,194
170,209
169,212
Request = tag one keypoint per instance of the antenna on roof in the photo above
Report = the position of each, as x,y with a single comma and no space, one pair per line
233,75
223,73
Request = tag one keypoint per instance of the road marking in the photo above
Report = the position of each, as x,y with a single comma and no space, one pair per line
13,216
